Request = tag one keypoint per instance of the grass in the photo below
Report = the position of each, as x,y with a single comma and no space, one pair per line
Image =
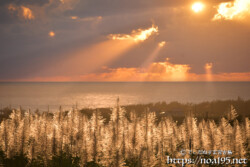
134,136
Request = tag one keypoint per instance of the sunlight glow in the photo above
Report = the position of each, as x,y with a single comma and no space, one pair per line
11,7
23,12
166,71
27,13
89,59
231,10
80,61
161,44
52,34
136,35
208,67
151,58
197,7
74,17
156,71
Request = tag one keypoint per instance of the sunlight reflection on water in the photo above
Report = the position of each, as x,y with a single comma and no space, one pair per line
93,95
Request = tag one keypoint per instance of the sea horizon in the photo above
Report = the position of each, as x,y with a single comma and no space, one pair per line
104,94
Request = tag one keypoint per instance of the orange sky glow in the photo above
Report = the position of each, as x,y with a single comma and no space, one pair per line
69,40
156,71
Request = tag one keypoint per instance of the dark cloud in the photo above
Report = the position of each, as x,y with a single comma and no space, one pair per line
24,2
5,16
110,7
13,16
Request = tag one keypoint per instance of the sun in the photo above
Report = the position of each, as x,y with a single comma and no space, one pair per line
197,7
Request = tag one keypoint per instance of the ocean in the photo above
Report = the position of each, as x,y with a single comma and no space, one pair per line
49,96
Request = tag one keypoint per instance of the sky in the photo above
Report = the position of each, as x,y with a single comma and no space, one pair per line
124,40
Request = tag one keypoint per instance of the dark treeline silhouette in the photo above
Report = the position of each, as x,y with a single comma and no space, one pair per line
205,110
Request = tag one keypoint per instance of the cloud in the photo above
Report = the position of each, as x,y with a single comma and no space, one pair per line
191,39
27,13
17,10
112,7
95,18
230,10
25,2
162,71
230,77
208,66
162,43
21,11
136,35
157,71
167,71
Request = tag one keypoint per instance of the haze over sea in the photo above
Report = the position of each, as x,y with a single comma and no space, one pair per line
100,94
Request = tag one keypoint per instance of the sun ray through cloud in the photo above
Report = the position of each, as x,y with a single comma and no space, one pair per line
91,58
154,54
208,67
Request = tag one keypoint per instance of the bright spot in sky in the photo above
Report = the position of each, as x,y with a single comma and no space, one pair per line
27,13
233,9
52,34
161,44
74,17
144,34
197,7
208,67
136,35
